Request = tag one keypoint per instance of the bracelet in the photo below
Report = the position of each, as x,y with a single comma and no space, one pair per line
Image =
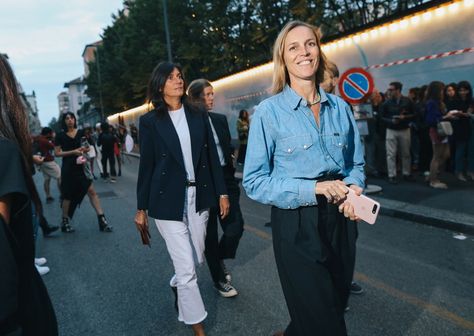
224,196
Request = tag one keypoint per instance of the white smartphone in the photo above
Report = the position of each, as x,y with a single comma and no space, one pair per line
364,207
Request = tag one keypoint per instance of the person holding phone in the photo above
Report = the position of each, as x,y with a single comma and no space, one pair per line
75,184
304,153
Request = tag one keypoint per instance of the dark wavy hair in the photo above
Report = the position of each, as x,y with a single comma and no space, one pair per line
63,120
14,125
467,86
156,84
435,92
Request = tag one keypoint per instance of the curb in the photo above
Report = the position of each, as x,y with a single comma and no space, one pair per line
445,219
440,218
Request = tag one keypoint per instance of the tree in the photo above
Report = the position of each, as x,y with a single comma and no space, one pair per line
210,38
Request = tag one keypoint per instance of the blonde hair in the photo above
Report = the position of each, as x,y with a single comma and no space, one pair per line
280,73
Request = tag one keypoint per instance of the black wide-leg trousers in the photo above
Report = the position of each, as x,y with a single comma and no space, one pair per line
315,255
232,227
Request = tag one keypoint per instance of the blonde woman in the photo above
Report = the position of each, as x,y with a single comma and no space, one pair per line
304,153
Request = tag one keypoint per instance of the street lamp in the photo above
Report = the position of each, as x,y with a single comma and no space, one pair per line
168,41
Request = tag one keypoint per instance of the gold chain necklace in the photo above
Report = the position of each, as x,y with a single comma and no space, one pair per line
315,101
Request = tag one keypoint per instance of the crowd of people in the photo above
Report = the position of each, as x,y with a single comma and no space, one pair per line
409,133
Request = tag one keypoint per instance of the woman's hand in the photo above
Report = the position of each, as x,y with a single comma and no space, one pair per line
77,152
224,205
141,219
38,159
335,191
346,208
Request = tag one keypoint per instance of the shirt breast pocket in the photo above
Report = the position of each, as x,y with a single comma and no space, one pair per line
293,151
337,146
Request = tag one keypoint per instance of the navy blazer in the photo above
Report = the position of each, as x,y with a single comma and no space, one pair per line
161,184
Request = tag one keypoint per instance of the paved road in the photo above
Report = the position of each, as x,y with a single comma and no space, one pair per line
418,279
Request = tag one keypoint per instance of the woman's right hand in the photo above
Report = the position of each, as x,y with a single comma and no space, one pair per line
77,152
141,219
335,190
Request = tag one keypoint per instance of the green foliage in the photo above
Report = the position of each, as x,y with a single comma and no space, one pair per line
209,38
55,125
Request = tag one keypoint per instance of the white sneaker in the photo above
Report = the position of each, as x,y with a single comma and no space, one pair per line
40,261
461,177
42,270
438,185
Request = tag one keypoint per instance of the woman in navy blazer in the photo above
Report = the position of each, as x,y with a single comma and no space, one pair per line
179,179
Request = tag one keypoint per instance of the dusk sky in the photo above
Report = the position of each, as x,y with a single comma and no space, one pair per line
44,40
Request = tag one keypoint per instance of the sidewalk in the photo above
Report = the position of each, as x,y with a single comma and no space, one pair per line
451,209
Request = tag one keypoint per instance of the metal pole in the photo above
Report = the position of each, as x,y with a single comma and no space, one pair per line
167,32
101,115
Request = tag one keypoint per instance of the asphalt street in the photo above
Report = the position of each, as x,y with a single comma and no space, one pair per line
418,279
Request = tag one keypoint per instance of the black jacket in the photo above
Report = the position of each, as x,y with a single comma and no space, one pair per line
161,182
219,121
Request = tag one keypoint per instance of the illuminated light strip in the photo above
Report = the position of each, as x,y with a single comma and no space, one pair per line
423,58
137,110
382,29
257,94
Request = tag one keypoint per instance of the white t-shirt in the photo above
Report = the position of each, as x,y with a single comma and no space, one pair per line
178,117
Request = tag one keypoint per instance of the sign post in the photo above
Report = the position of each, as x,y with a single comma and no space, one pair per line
355,86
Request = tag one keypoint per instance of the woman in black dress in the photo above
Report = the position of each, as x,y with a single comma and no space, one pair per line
76,176
25,307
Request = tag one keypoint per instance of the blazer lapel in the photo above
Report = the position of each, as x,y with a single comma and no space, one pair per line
219,127
168,133
196,127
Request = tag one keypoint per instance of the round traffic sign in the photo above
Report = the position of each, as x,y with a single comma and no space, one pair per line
355,85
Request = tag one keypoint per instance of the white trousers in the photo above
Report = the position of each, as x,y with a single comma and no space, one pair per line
184,240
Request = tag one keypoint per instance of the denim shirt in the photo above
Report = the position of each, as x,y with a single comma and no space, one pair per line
287,152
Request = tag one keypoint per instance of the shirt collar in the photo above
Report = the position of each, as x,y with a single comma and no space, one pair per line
295,100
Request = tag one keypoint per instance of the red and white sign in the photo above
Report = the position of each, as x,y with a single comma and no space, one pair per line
355,85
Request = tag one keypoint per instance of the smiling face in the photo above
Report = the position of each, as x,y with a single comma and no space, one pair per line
208,96
174,85
301,54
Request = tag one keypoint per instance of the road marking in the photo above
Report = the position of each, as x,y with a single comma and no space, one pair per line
258,232
396,293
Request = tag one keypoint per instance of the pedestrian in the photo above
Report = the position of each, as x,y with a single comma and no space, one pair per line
243,124
48,166
25,307
305,150
435,111
117,148
98,150
107,141
201,92
467,108
76,182
398,112
92,154
331,81
179,179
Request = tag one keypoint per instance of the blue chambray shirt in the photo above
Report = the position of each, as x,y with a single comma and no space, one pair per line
287,152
